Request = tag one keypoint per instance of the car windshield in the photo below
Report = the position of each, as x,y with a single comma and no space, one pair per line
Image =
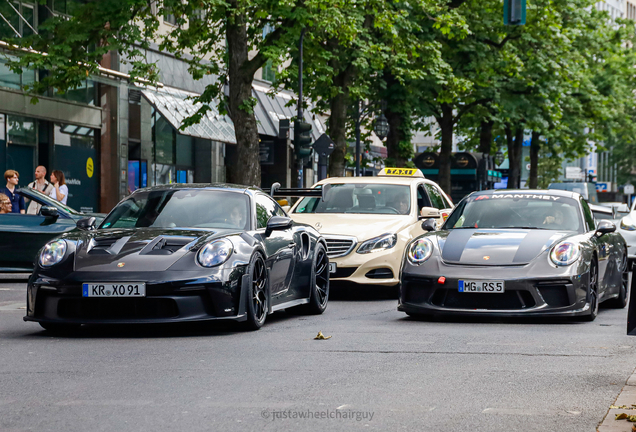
190,208
530,211
360,198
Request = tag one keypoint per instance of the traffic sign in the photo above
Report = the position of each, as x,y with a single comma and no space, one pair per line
628,189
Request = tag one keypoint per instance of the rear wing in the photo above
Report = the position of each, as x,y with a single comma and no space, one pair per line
278,192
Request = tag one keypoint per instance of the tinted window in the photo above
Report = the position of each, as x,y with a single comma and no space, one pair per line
191,208
435,196
602,216
265,209
422,197
516,211
587,214
360,198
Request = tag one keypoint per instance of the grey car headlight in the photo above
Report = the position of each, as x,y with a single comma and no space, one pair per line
565,253
628,224
377,244
420,250
214,253
52,253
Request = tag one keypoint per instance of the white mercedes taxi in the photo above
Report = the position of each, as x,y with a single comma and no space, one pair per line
368,221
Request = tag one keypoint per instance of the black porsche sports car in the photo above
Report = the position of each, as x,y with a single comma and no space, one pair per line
516,253
179,253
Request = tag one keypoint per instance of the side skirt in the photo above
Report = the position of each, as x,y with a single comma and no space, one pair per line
290,304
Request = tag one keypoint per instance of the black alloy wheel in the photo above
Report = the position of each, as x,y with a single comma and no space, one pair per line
621,301
593,292
257,295
319,282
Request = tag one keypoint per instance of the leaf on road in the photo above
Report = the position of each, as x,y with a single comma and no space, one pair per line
621,416
320,336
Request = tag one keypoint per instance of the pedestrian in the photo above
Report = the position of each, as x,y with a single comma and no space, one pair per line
5,204
60,191
39,184
17,200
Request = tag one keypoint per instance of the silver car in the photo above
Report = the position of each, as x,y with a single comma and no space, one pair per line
627,227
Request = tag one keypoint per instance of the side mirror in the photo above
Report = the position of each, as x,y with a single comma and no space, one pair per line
87,223
605,227
429,212
277,223
49,212
429,225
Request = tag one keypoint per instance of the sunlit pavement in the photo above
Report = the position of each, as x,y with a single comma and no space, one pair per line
378,371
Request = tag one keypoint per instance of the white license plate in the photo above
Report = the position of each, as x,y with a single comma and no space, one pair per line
481,286
332,267
124,289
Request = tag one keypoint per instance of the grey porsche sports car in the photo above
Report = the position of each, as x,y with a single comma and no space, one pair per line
178,253
516,253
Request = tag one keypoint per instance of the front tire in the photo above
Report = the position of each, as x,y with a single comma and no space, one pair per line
257,298
593,293
319,282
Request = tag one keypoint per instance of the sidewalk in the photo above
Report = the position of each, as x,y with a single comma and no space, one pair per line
626,398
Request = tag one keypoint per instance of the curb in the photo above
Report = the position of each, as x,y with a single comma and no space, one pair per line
627,397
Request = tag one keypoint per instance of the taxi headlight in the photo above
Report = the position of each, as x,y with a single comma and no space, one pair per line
376,244
420,250
52,253
215,253
565,253
628,224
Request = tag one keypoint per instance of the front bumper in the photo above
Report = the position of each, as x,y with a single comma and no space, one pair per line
558,294
376,268
170,297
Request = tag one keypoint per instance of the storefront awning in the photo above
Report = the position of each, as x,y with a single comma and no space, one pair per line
269,110
176,106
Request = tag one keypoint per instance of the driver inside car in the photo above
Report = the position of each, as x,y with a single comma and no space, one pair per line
401,204
554,220
237,216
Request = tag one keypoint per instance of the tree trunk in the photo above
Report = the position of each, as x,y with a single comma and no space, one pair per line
535,146
396,120
337,124
485,136
446,125
515,146
246,168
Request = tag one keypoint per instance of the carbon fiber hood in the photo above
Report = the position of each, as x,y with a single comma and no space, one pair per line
496,247
147,249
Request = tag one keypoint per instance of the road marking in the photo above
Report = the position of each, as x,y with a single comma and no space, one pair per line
13,306
528,412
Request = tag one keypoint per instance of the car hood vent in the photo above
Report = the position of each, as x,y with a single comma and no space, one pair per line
106,245
166,245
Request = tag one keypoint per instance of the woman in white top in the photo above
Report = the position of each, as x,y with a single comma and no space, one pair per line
60,191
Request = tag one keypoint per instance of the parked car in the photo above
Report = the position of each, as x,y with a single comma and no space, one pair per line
587,190
31,232
517,253
620,209
368,221
181,253
627,227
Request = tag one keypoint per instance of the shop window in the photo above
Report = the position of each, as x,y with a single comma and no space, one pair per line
21,148
137,175
163,174
86,93
185,151
165,137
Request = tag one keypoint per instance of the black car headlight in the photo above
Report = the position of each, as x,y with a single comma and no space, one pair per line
52,253
214,253
377,244
565,253
420,250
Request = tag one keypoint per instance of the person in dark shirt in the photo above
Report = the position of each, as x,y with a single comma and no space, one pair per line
17,200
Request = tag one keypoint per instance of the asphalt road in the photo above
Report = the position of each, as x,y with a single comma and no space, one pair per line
379,371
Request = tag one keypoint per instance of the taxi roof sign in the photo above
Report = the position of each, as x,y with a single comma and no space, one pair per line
401,172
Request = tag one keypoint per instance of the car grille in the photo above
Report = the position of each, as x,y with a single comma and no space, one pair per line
509,300
339,246
125,308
